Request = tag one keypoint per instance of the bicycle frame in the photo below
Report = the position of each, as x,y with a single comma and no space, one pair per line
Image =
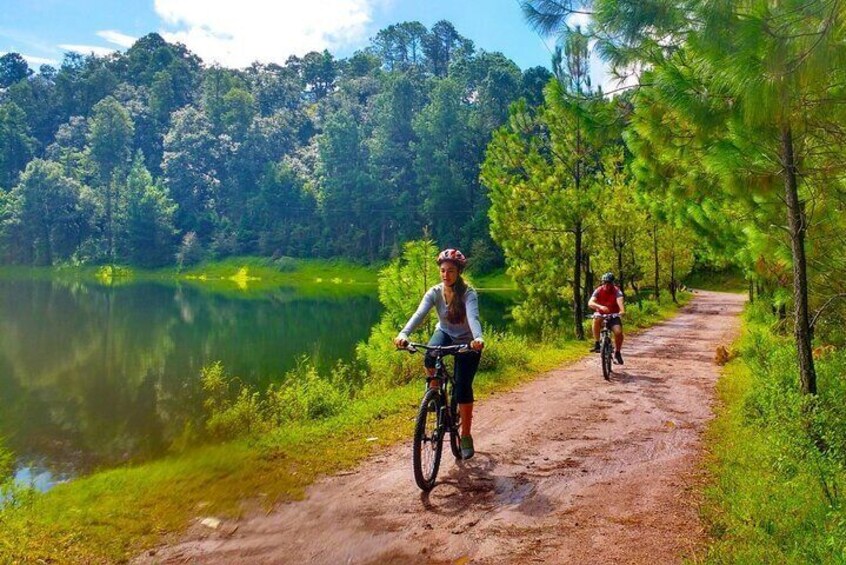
428,441
446,382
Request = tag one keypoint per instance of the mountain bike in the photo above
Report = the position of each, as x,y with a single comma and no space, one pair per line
606,349
437,416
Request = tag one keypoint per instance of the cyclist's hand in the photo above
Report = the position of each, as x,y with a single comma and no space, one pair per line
604,309
477,345
400,342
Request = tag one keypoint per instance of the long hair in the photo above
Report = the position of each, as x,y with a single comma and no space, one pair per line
457,311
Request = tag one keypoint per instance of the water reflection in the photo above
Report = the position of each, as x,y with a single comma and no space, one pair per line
495,309
92,376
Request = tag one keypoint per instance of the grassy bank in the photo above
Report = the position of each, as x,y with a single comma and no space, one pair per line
230,272
112,515
233,274
497,280
242,276
777,460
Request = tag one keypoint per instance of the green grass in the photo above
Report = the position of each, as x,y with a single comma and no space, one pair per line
773,495
241,276
496,280
115,514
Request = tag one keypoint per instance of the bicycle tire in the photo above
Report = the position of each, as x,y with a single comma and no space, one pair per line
606,359
428,440
454,428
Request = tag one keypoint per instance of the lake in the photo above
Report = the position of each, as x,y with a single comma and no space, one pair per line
95,376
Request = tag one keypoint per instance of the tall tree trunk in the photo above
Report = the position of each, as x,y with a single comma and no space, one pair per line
655,255
578,313
589,278
618,246
673,277
797,226
751,291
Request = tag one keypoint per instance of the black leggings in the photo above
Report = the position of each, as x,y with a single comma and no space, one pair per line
466,365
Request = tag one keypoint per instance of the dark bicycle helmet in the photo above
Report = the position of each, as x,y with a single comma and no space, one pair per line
607,278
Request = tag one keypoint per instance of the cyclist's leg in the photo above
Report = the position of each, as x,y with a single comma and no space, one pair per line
438,338
597,326
466,366
617,328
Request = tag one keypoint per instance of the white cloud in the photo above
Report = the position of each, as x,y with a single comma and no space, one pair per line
117,38
38,61
34,62
87,49
579,19
235,34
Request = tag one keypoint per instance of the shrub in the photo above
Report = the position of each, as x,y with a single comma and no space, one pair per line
234,409
305,396
385,366
504,350
285,264
244,416
7,461
227,418
781,455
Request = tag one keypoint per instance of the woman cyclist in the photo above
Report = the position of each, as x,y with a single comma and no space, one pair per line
457,306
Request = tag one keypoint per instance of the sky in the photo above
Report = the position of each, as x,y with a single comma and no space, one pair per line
236,33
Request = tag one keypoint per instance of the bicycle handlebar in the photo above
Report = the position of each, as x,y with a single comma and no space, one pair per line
443,349
600,315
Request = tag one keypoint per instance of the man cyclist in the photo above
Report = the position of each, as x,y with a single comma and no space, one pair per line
608,299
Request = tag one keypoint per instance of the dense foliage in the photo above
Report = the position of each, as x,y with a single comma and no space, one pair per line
735,125
778,457
145,156
566,206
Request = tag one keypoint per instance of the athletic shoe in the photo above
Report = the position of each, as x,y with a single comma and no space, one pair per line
467,450
618,358
595,348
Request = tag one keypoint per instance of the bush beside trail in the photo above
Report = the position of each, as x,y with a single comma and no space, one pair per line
778,457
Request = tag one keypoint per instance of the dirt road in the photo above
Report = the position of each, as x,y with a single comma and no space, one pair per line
569,469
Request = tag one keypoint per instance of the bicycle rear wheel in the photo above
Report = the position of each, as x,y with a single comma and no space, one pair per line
606,359
428,440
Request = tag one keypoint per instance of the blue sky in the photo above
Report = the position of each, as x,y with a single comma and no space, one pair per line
236,33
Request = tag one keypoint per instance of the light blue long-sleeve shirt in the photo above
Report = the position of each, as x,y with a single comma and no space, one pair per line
466,331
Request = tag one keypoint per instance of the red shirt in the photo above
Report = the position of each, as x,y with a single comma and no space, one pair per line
608,297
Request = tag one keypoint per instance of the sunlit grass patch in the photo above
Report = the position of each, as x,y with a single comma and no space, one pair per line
776,457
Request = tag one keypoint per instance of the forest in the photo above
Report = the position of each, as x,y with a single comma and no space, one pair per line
150,157
721,149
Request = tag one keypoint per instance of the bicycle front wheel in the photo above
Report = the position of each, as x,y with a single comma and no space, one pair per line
606,359
428,440
454,428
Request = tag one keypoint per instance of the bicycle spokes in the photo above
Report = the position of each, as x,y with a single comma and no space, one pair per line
428,441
